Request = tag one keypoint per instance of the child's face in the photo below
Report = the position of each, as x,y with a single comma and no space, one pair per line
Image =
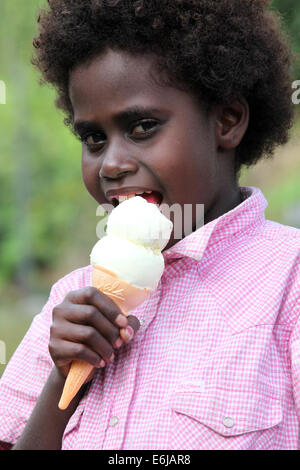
167,144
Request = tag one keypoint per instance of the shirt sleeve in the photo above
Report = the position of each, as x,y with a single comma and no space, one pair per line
295,360
27,371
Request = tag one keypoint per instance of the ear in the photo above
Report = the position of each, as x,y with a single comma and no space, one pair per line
231,123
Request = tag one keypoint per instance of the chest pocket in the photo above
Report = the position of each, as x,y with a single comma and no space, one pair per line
223,418
73,425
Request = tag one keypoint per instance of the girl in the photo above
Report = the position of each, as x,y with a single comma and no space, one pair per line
173,96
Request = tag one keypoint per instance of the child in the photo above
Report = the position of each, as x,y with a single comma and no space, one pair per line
173,96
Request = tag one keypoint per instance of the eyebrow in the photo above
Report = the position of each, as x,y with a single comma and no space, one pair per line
136,112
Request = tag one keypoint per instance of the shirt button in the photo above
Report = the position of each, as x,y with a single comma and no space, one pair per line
228,422
142,322
114,420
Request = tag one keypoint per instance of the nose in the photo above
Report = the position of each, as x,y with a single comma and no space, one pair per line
117,162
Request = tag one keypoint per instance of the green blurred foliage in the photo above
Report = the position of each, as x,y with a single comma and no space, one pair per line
290,13
48,220
44,204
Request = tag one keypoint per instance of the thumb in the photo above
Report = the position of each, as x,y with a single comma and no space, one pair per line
133,326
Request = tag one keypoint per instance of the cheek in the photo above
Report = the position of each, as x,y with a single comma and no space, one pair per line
90,175
194,177
199,159
192,144
85,169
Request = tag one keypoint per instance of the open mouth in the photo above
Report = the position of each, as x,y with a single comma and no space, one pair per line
153,197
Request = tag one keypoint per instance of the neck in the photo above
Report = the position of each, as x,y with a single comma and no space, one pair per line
225,202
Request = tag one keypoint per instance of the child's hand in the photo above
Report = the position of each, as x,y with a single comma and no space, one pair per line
88,325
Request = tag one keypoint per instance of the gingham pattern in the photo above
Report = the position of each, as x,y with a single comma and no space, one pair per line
216,362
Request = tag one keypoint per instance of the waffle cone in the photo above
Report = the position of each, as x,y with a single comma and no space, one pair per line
127,297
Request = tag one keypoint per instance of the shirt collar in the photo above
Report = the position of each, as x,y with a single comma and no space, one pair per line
249,214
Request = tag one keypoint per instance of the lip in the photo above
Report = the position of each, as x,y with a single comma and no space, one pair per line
113,193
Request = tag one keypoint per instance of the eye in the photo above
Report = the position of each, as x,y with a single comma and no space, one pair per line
144,128
93,141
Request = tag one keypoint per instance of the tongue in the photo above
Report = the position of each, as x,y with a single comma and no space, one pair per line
154,197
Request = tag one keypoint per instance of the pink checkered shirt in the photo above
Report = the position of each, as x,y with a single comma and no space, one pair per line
216,362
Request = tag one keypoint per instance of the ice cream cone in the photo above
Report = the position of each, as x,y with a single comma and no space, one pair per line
127,297
127,266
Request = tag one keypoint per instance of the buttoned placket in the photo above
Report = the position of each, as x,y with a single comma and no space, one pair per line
125,373
124,383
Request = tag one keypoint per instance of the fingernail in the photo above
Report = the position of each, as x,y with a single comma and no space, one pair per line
118,343
101,364
111,358
129,332
121,321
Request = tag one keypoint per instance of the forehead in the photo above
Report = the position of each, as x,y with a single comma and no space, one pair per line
113,76
114,80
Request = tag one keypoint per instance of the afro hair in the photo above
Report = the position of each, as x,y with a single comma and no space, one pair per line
219,50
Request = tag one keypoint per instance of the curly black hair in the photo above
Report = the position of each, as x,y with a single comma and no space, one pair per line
218,49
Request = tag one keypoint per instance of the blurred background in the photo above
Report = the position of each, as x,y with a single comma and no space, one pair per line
47,218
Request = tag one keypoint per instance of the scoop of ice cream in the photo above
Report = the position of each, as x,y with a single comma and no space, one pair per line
136,234
135,264
141,223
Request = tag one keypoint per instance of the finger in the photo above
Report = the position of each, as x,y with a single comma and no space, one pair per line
90,315
129,332
63,352
89,336
92,296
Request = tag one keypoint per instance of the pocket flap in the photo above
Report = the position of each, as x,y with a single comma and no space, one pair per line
75,418
230,412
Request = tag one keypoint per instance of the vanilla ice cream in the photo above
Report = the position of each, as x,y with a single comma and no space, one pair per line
127,266
137,232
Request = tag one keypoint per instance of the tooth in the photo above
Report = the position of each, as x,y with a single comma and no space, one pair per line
148,192
124,198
